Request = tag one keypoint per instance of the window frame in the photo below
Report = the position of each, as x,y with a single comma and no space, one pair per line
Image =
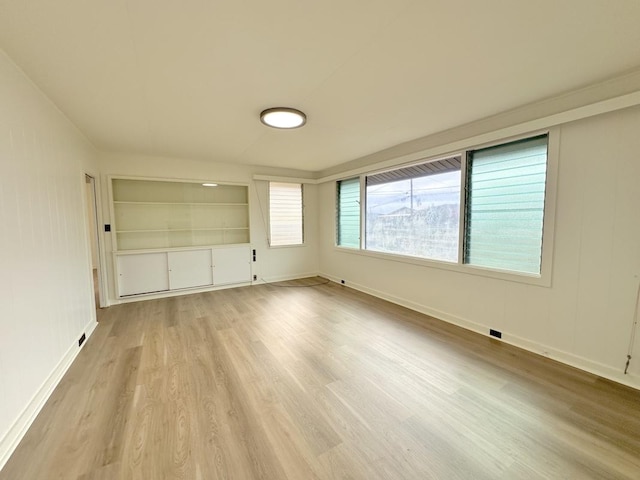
548,228
366,243
302,216
468,205
338,211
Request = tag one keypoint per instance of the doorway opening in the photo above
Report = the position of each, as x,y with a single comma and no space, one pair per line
94,238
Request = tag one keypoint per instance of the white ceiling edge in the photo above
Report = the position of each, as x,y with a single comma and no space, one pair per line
614,94
506,134
448,148
279,178
47,100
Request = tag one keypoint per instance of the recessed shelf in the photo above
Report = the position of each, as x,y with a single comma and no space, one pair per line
152,214
169,230
191,204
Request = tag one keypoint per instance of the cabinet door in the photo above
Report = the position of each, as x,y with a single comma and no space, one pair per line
142,273
190,268
231,265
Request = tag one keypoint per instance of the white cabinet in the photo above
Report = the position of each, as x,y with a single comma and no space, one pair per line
142,273
163,271
190,268
231,265
173,235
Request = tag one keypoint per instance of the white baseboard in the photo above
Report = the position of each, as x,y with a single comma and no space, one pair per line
10,441
581,363
189,291
175,293
285,278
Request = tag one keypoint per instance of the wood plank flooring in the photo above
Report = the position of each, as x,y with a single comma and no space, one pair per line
319,382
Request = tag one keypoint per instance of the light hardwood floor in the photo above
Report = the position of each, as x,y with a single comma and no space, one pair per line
319,382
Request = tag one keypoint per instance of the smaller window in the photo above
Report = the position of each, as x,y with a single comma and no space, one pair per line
505,205
285,214
348,213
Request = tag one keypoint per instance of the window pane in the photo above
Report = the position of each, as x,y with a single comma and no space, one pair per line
348,215
505,205
415,212
285,213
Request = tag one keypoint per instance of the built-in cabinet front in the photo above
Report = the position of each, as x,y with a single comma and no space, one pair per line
142,273
176,235
155,272
191,268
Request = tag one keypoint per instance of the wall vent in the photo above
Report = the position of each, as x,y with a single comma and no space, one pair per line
495,333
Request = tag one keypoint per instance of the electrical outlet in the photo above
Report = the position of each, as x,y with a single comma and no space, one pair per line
495,333
82,339
255,277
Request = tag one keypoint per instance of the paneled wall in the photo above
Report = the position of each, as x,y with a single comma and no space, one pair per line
46,297
585,318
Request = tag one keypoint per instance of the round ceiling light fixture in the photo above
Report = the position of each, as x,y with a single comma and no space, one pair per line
283,117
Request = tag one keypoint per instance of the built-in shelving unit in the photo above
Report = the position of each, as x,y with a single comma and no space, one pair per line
175,235
167,214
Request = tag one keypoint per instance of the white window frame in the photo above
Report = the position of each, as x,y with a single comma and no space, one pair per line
302,221
548,229
337,220
446,166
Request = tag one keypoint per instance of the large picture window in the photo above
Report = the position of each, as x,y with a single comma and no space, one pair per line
415,211
285,214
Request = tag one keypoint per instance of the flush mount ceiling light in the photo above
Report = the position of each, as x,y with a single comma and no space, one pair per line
283,117
209,184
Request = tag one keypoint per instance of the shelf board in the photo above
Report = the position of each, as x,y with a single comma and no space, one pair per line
218,204
133,251
167,230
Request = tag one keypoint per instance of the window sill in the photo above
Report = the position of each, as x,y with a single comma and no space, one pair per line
543,280
276,247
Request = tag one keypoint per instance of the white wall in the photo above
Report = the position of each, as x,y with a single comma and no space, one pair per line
46,299
585,317
272,264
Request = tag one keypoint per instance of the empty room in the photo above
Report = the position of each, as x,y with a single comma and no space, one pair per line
319,240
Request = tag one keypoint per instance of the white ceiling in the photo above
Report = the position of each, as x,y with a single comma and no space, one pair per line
188,78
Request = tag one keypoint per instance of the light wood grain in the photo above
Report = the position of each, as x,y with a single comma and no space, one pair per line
319,382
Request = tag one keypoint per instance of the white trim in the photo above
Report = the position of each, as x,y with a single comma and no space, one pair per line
280,179
17,431
138,297
302,215
285,278
292,245
464,268
566,358
572,360
462,208
543,279
181,249
96,203
543,123
176,180
103,281
417,307
550,205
